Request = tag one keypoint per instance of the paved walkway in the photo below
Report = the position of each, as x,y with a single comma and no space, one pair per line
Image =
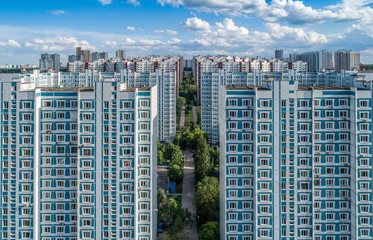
189,186
188,192
182,118
195,116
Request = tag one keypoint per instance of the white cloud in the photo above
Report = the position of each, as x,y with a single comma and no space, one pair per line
10,43
174,41
298,34
131,28
110,43
288,10
56,12
134,2
58,44
105,2
167,31
197,25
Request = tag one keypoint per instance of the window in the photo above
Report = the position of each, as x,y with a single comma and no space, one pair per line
329,102
264,103
364,103
47,103
87,105
232,102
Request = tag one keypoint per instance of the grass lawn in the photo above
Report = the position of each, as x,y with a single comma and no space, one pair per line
198,116
189,117
179,199
179,187
178,120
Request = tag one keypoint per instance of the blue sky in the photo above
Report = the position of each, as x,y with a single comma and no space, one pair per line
183,27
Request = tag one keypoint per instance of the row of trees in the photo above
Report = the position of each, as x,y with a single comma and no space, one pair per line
207,189
188,136
180,103
188,89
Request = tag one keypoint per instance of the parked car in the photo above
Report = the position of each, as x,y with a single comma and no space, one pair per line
160,227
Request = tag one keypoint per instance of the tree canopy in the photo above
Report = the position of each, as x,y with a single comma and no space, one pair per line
207,199
209,231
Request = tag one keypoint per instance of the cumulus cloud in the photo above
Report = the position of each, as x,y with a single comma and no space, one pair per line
287,10
56,12
131,28
105,2
232,38
167,31
298,34
197,25
133,2
10,43
58,44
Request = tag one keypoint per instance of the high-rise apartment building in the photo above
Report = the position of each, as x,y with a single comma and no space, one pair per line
279,54
49,62
210,83
120,54
295,161
164,80
99,55
82,55
318,61
78,162
346,60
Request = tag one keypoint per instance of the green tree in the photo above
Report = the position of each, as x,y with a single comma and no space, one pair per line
202,161
175,173
194,136
160,153
207,199
172,151
209,231
180,102
171,213
215,155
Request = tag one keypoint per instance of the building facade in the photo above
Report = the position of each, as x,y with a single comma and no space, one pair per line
78,162
214,64
211,82
296,162
165,82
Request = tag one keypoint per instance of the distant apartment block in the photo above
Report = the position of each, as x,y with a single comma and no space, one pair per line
241,65
78,162
120,54
49,62
318,61
346,60
279,54
99,55
295,160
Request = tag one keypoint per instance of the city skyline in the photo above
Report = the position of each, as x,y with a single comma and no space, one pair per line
184,27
